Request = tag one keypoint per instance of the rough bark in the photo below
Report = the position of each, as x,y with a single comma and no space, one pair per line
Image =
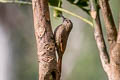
111,61
45,40
114,52
98,34
118,38
109,22
114,73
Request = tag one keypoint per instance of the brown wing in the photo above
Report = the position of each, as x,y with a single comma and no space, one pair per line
60,38
63,41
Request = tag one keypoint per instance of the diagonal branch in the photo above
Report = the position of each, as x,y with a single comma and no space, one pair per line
109,22
73,14
99,35
56,8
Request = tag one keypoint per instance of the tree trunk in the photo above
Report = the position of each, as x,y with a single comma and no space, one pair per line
45,40
110,60
114,71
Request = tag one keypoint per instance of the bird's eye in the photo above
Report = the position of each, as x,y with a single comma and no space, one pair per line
67,21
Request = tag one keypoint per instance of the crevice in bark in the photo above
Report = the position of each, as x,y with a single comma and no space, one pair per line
45,40
109,21
104,56
111,61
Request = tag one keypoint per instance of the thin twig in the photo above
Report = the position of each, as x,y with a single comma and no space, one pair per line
57,8
73,14
16,2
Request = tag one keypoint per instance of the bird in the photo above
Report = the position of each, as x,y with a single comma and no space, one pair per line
61,34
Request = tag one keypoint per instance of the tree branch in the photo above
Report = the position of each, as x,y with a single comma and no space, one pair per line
109,22
73,14
99,35
16,2
57,8
45,40
118,37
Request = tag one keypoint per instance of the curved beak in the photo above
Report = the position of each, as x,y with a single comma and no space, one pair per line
62,17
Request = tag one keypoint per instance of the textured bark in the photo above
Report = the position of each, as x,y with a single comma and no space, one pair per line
99,36
100,42
109,22
111,61
114,73
118,38
45,40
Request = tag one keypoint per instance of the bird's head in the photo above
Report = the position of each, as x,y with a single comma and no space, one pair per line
68,24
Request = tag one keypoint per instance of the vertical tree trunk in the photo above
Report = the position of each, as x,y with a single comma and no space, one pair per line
45,40
111,61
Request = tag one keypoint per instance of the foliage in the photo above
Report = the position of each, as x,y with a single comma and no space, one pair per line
83,4
56,3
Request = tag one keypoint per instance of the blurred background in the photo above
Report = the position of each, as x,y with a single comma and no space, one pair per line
18,56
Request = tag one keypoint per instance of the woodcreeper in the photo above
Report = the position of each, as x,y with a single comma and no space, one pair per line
61,34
